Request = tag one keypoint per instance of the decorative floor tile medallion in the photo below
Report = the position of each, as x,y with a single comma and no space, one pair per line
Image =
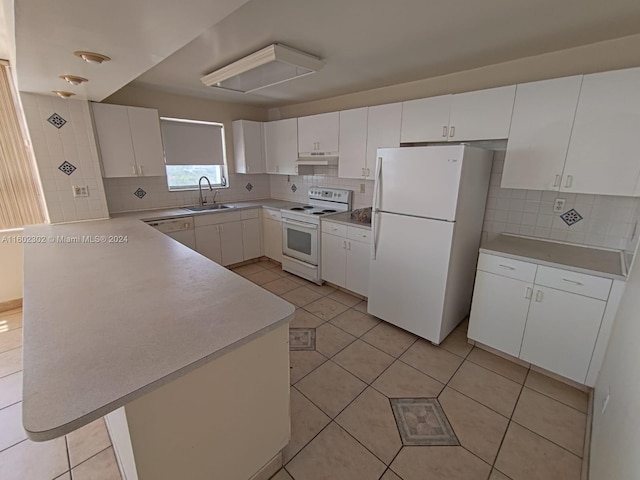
421,421
302,338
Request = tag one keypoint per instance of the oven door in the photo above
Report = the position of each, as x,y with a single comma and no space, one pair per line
300,240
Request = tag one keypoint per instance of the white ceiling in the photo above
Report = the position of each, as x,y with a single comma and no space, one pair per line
365,43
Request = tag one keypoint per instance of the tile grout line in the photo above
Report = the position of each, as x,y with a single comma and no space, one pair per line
66,446
553,398
13,445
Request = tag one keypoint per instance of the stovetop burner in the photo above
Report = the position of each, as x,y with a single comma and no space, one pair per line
317,213
329,211
297,209
306,207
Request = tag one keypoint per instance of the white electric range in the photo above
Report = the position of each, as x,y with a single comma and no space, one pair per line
301,230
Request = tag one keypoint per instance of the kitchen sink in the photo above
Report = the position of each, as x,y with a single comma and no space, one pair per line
200,208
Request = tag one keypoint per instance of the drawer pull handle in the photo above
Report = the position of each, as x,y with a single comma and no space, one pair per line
539,296
506,266
528,293
573,282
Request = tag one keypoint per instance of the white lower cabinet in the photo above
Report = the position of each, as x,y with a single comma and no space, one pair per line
345,257
272,234
208,242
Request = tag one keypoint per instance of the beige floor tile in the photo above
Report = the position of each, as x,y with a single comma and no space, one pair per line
355,322
330,340
296,279
527,456
307,421
363,360
370,420
331,388
478,428
321,289
497,364
345,298
11,431
10,339
102,466
361,307
403,381
389,338
34,460
248,269
268,264
558,390
11,321
442,463
282,475
262,277
64,476
326,308
10,389
304,319
10,362
489,388
281,286
301,296
457,343
334,455
496,475
303,362
551,419
432,360
389,475
87,441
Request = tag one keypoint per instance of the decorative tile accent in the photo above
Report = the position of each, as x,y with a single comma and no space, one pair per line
139,193
294,188
249,187
302,338
570,217
421,421
56,120
66,167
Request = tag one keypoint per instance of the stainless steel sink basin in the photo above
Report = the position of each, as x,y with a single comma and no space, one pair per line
200,208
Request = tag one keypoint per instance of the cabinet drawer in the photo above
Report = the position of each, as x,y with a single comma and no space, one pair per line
249,214
580,283
334,229
272,214
507,267
216,218
359,234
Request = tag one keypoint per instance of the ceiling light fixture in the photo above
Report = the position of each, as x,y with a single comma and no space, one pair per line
73,80
90,57
62,93
272,65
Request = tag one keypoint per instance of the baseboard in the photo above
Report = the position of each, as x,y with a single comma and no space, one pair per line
270,469
586,453
10,305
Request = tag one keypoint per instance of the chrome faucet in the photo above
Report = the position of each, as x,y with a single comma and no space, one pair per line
204,200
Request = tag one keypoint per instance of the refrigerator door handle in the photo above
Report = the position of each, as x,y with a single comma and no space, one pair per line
374,210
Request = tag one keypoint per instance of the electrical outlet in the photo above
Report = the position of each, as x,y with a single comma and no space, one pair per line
605,402
558,205
80,191
362,187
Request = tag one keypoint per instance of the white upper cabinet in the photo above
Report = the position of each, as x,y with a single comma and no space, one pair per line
281,146
353,143
540,130
318,134
604,146
248,146
383,131
130,140
426,119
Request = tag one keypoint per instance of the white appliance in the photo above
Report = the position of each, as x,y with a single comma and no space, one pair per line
428,209
180,229
301,230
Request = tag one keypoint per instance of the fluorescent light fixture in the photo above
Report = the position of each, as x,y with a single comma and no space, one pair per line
274,64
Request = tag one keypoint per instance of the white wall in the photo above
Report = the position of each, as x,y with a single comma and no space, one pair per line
10,267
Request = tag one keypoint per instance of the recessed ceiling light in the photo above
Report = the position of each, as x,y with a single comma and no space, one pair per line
73,80
91,57
62,93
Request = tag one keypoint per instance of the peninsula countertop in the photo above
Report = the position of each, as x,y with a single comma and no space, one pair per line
114,309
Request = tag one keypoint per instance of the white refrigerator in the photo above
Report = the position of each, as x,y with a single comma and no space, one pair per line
428,209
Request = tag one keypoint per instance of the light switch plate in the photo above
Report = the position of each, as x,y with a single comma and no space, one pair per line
80,190
362,187
558,205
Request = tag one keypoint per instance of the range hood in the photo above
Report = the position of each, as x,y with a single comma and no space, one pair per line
319,159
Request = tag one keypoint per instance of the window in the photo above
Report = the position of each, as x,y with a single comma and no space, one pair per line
193,149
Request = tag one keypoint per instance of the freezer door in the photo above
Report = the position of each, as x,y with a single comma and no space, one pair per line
407,278
420,181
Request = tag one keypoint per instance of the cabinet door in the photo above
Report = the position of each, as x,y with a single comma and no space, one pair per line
481,115
540,130
561,332
604,146
114,138
358,257
147,142
499,312
383,130
231,243
426,120
281,146
353,143
208,242
251,238
272,231
333,259
248,146
318,133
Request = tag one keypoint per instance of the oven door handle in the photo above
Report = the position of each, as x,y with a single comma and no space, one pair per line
309,226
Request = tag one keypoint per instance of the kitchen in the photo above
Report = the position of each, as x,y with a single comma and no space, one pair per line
605,222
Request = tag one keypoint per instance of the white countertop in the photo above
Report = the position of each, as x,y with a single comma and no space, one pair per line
591,260
105,323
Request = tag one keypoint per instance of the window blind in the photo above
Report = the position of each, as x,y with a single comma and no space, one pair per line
192,143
